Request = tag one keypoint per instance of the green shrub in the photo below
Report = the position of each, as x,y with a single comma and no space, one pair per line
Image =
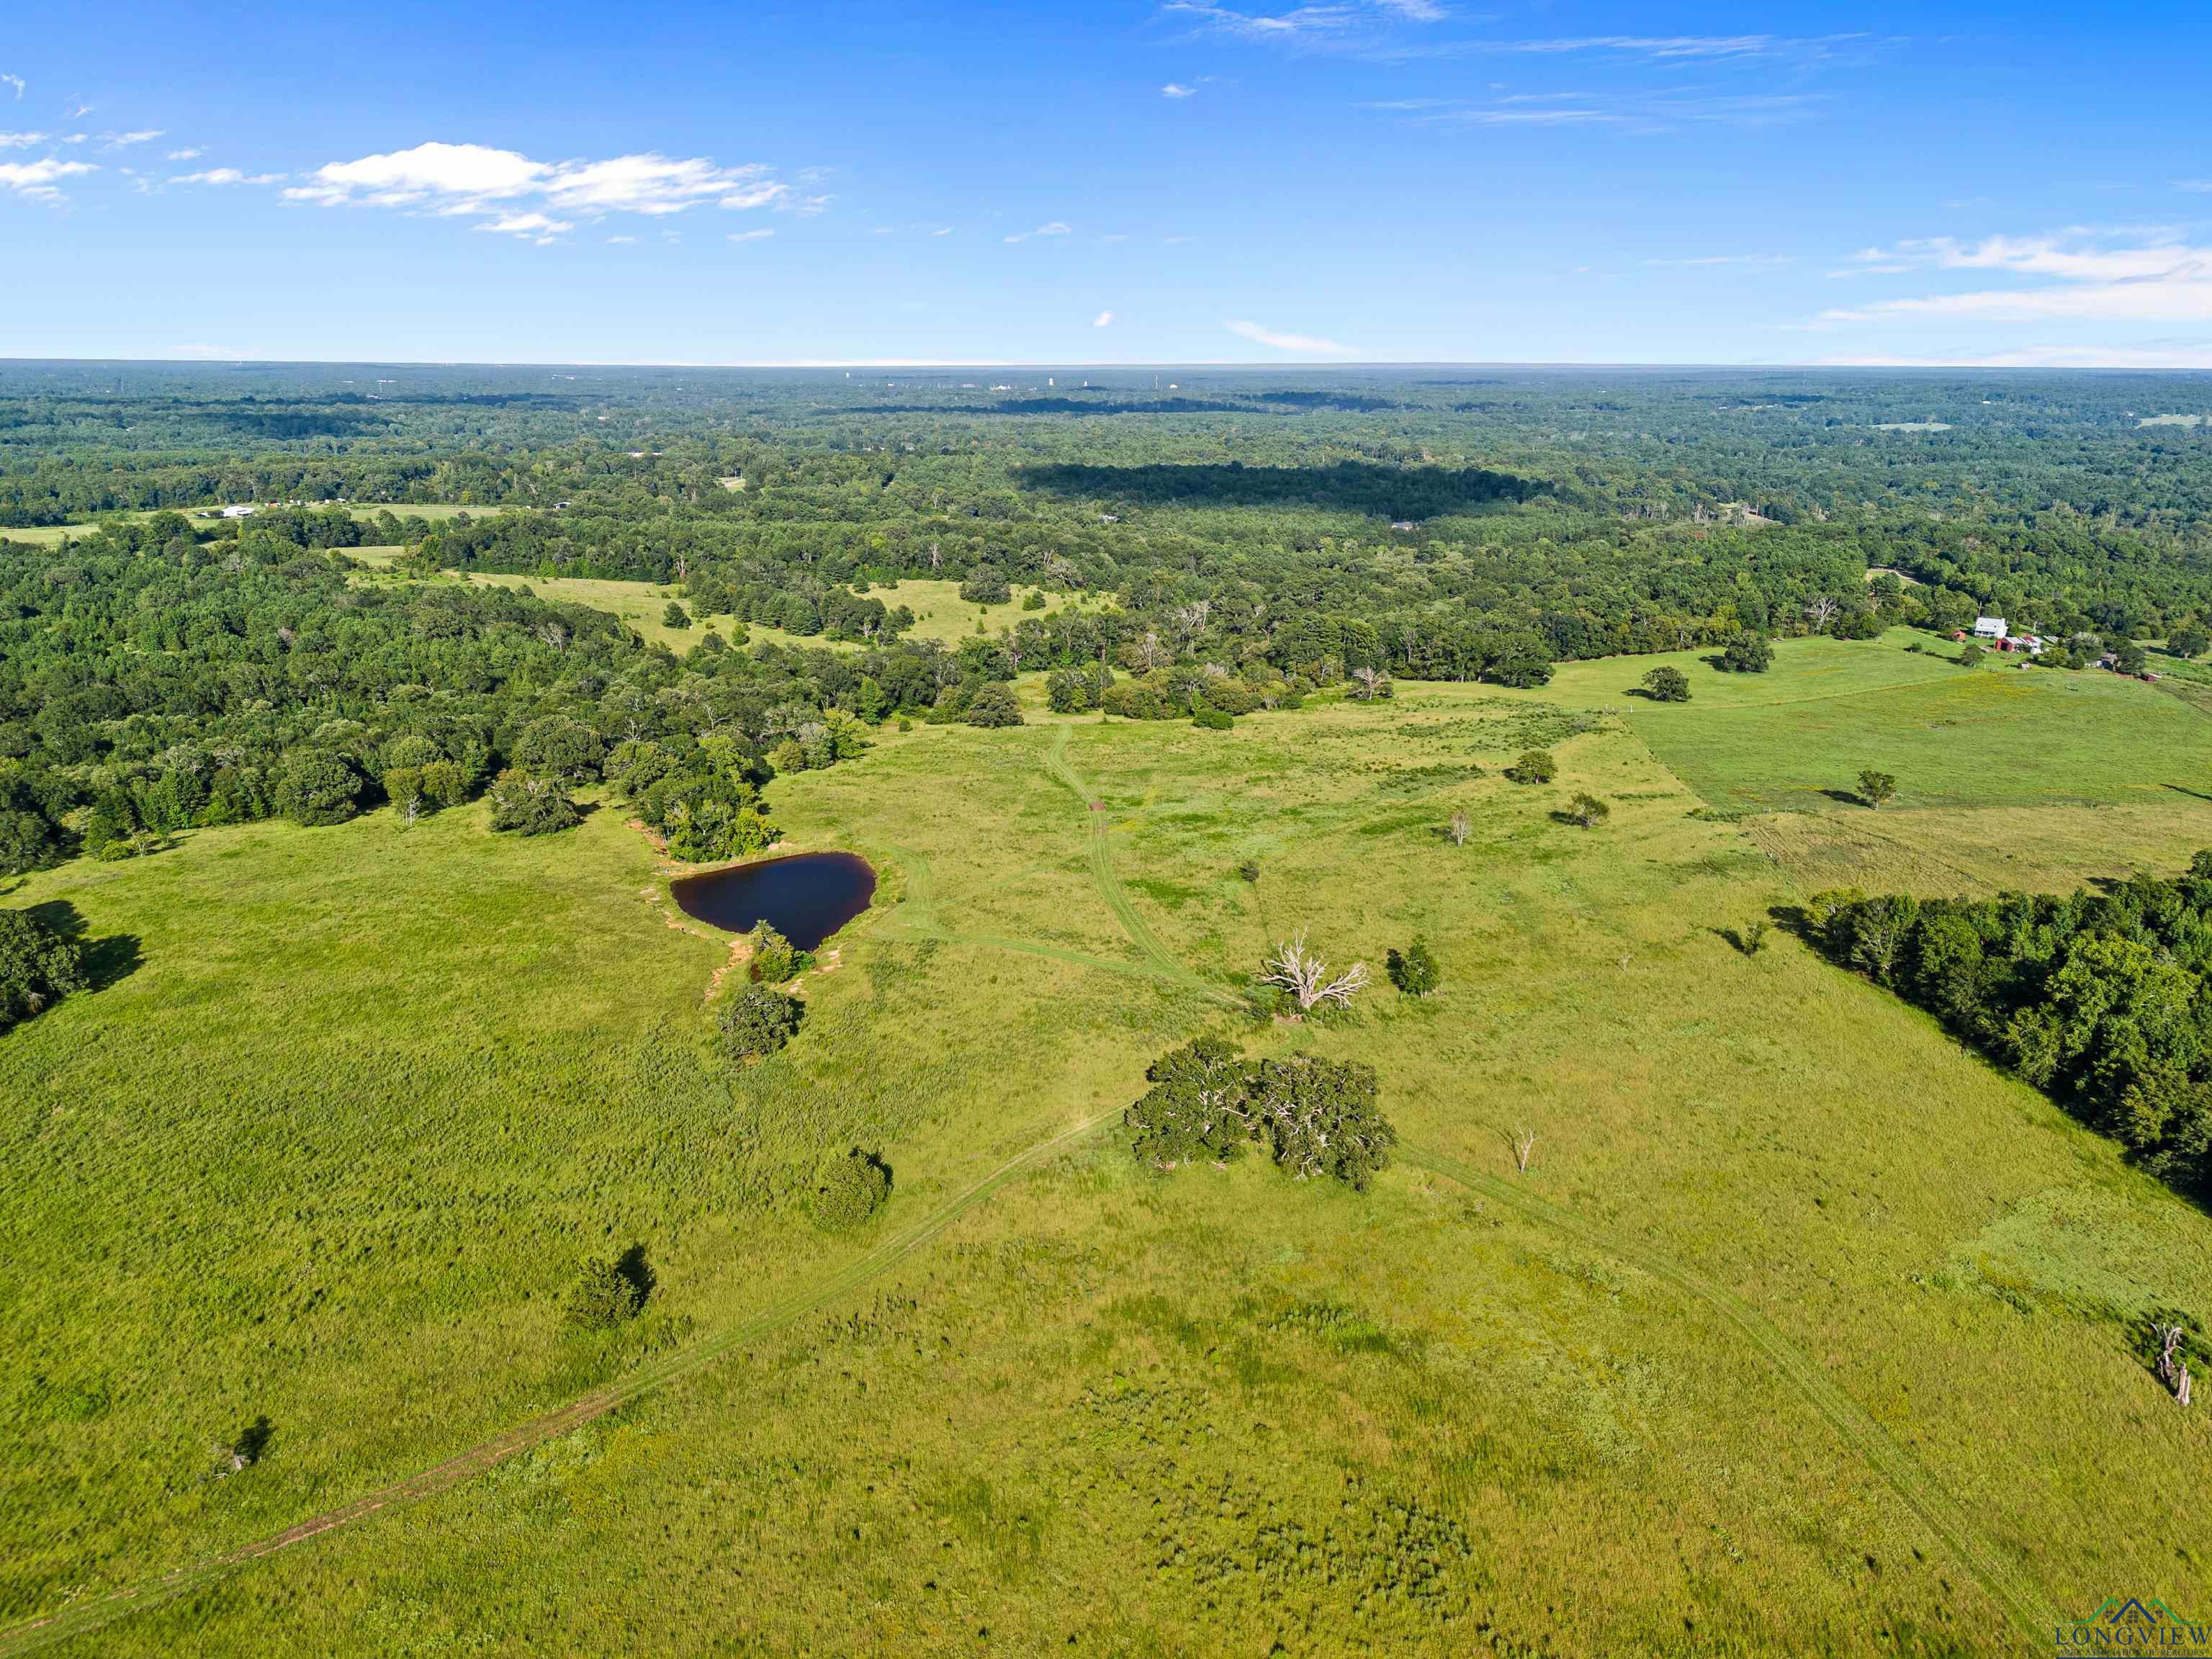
758,1021
1214,719
605,1294
774,961
851,1190
1413,970
1534,766
1666,686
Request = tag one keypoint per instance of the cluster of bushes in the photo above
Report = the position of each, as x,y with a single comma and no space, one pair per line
1204,692
2103,1000
1314,1117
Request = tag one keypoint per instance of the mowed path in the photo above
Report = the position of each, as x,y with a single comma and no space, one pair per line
2005,1583
648,1378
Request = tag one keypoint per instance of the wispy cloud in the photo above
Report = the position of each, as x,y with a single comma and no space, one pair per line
2080,275
21,140
182,155
1174,89
1310,344
1631,111
125,140
461,180
539,228
39,181
226,176
1103,319
1055,228
15,80
750,235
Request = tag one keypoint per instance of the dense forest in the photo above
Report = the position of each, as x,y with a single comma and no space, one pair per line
2103,999
1254,536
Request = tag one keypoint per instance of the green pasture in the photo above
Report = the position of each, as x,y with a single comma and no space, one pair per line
1797,736
1805,1330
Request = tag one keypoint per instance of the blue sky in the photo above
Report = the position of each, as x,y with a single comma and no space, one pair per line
1344,181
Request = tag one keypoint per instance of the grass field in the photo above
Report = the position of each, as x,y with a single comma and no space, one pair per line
54,534
1805,1331
940,613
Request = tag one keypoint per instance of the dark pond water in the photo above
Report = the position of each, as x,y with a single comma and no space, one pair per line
806,896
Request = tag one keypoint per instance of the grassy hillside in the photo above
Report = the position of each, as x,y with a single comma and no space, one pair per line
1804,1331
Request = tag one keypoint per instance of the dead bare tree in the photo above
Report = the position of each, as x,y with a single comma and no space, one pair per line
1822,611
1306,978
1459,828
2173,1365
1369,684
1524,1143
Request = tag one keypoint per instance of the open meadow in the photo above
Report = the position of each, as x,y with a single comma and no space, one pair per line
1804,1329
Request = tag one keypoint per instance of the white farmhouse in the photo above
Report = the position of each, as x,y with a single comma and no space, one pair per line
238,512
1989,627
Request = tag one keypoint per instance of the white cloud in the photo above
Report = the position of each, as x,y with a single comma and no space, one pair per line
1103,319
21,140
182,155
1282,342
1055,228
1174,90
458,180
621,241
2200,185
2078,275
226,176
750,235
15,80
36,179
535,226
125,140
942,230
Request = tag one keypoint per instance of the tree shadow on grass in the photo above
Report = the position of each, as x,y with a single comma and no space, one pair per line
633,1270
1848,797
107,961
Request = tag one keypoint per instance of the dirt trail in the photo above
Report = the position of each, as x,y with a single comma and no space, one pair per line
88,1616
2006,1582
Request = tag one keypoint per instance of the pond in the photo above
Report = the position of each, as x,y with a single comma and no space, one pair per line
806,896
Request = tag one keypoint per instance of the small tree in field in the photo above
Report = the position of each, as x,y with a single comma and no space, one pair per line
1307,977
1589,812
1413,970
675,615
1748,654
1876,788
758,1021
1534,766
774,961
1666,686
1971,655
1459,827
